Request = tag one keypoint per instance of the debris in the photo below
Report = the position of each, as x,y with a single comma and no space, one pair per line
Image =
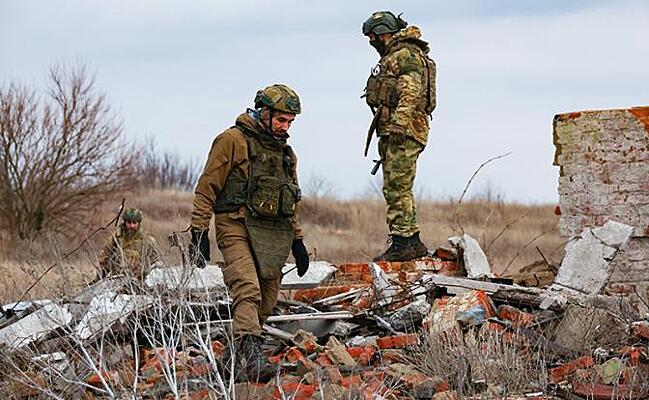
383,289
474,259
318,272
208,278
585,267
46,319
471,307
378,320
106,309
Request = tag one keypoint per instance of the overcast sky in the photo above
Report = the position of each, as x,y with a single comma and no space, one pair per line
182,71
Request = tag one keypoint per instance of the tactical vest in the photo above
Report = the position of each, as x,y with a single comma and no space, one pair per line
268,192
381,89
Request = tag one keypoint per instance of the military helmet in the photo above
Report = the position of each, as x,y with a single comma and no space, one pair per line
132,215
278,97
383,22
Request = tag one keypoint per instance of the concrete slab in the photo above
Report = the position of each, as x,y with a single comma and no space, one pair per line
383,289
318,272
585,267
475,260
107,309
176,277
36,325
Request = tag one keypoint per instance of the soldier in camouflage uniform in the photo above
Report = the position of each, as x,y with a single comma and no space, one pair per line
401,94
130,251
249,185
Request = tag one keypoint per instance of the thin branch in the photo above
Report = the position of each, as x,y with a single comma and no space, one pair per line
466,188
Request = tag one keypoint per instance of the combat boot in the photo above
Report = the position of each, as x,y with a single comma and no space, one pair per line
231,364
257,367
403,249
397,250
418,248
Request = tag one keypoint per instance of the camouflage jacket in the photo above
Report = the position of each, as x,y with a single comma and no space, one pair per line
129,254
229,152
402,70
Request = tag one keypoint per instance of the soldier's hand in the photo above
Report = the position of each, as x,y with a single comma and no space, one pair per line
301,256
199,247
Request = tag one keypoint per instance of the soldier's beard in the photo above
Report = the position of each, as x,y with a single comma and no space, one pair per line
378,45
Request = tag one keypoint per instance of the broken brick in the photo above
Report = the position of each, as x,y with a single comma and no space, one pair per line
324,360
634,354
297,391
641,329
559,373
351,380
338,354
311,295
363,355
397,342
518,318
217,348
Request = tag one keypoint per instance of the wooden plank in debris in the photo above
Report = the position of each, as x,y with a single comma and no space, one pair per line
292,317
279,333
327,301
526,296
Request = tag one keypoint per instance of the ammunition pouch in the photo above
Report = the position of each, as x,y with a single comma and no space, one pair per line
271,197
381,90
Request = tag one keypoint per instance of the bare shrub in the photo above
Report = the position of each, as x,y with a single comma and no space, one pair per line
317,186
60,155
484,362
164,170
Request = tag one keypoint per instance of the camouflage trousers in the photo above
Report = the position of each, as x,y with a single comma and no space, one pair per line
399,155
253,296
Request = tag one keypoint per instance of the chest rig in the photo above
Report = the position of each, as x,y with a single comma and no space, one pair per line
270,196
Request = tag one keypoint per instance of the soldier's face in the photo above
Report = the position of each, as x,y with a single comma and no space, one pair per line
280,123
132,226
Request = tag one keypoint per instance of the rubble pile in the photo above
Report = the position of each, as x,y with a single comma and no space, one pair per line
441,327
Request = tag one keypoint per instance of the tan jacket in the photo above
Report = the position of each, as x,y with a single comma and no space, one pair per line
229,151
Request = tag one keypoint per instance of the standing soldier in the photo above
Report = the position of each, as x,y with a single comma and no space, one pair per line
130,250
401,93
250,185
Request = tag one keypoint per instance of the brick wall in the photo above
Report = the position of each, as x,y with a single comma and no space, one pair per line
604,175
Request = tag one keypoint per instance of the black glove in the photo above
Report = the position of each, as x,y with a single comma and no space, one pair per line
301,256
199,248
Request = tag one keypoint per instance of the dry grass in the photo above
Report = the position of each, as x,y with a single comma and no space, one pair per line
335,230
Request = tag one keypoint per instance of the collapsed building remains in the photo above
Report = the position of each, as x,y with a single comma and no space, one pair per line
603,158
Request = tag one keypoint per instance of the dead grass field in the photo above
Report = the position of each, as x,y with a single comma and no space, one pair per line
335,230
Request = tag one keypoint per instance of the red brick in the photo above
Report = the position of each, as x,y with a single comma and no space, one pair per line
397,342
640,329
293,354
633,353
559,373
311,295
199,395
519,319
324,360
200,370
362,355
297,391
94,380
217,348
351,380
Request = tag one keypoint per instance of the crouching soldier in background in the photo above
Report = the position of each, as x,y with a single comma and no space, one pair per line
250,185
130,250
